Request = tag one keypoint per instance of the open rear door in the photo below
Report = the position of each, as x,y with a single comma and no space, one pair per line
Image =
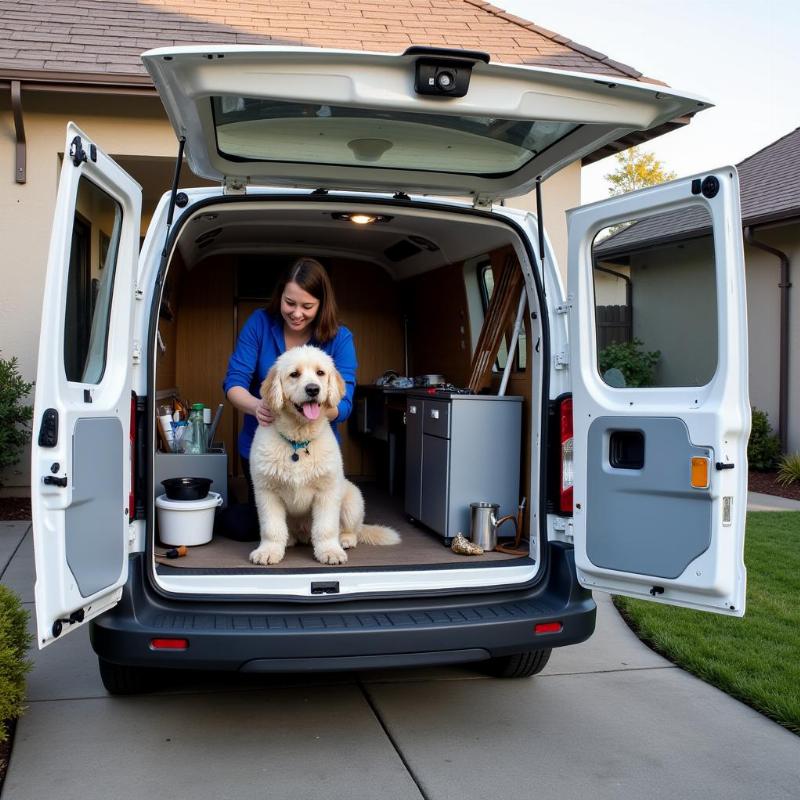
658,337
81,461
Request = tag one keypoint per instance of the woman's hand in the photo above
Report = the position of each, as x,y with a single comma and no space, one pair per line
262,413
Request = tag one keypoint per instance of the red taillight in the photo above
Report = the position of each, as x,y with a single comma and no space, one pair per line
548,627
567,474
132,437
169,644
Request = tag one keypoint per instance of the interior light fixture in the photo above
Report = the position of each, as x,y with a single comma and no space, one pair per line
360,218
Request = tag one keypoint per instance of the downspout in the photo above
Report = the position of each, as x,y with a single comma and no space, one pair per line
783,381
19,130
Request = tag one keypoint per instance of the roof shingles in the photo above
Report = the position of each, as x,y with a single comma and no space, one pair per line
769,187
127,27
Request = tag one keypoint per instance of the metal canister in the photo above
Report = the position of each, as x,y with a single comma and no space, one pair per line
483,524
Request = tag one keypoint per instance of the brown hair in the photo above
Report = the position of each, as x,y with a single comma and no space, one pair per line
311,277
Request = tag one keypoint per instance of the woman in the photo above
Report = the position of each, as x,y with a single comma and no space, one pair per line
302,310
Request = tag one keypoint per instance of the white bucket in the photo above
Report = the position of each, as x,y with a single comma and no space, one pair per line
188,522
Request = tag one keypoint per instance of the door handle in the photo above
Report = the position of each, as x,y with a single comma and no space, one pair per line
51,480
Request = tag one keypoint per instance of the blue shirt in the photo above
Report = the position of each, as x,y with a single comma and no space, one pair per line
258,347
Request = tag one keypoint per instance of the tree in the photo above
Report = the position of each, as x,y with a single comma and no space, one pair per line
636,169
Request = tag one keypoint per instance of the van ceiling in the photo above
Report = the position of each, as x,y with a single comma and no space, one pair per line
408,242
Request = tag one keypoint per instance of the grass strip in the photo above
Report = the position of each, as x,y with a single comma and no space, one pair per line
755,659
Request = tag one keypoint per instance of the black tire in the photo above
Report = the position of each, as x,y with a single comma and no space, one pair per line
518,665
122,679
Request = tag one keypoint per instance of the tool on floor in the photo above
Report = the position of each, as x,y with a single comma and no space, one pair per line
515,549
177,552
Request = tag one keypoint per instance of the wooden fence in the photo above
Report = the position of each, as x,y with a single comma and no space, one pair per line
613,325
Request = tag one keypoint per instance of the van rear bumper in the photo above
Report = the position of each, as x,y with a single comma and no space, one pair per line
343,634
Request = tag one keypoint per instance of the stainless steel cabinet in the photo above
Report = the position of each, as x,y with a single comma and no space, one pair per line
461,449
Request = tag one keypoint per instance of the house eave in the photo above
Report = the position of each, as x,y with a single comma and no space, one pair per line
635,138
77,82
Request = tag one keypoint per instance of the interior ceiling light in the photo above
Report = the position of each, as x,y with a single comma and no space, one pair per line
359,218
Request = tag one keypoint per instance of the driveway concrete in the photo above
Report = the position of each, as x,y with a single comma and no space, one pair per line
757,501
607,719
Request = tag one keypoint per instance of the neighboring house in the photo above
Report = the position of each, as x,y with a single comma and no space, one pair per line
79,60
663,255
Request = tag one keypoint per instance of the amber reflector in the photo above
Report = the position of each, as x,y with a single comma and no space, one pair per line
700,470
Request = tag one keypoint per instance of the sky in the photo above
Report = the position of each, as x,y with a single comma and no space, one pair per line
743,56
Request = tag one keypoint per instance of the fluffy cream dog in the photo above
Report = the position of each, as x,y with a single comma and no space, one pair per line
296,466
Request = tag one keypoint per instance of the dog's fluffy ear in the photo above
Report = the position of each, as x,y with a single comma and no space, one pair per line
336,389
272,391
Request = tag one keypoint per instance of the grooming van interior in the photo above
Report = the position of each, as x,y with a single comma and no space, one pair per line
441,416
522,466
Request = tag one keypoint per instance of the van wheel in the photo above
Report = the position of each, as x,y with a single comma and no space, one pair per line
518,665
122,679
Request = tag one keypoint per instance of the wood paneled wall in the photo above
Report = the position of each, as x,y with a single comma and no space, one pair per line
205,337
439,336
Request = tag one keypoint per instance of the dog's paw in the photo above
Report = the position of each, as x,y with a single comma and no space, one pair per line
348,540
330,554
267,554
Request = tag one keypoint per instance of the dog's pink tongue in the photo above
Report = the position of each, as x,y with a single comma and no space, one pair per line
311,410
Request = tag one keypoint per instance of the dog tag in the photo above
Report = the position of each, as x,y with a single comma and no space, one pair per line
295,457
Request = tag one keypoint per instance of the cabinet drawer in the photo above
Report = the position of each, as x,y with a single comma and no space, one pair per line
437,418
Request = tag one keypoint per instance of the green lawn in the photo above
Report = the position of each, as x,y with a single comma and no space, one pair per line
756,659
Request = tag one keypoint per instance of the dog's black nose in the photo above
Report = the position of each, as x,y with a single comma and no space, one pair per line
312,389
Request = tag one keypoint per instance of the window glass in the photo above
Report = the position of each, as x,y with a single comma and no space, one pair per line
487,287
656,300
274,130
90,283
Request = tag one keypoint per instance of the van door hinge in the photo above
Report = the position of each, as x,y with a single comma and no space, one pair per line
138,293
482,201
234,185
563,308
136,353
561,360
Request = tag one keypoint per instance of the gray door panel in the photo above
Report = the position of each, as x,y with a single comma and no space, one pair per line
648,521
94,519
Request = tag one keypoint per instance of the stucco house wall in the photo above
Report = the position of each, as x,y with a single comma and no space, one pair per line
675,310
763,310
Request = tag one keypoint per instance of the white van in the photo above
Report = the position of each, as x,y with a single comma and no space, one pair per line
617,407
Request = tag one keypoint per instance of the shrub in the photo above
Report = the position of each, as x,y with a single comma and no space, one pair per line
789,469
14,416
14,642
636,365
763,449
